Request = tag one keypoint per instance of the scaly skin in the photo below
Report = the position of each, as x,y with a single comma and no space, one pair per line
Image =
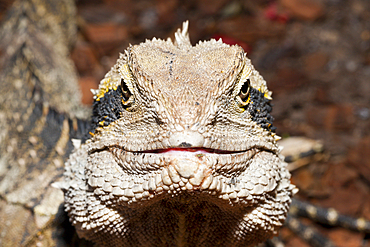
183,152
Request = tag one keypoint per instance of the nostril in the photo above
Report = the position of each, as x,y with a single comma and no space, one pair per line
186,139
185,145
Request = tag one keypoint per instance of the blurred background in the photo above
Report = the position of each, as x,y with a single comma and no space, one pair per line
314,55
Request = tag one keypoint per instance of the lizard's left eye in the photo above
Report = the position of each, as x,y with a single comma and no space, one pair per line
244,91
125,91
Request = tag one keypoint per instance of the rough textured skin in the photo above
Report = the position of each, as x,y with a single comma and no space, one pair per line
38,102
38,80
183,152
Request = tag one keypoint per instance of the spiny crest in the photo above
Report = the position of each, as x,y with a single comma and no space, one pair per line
182,39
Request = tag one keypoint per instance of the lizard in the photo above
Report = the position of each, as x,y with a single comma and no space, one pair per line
183,151
32,153
43,38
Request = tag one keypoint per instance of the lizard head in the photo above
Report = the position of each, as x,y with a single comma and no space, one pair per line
174,121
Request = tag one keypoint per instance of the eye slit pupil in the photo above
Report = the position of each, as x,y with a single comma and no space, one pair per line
244,90
125,91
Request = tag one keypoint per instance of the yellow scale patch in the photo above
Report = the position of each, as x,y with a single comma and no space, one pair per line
105,85
265,92
112,81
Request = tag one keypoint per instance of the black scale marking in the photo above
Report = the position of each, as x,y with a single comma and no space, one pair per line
108,108
260,107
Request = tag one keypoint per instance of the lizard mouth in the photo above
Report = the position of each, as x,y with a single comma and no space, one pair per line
191,150
212,159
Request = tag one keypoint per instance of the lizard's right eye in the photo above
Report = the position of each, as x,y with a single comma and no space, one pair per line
125,90
244,94
244,91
